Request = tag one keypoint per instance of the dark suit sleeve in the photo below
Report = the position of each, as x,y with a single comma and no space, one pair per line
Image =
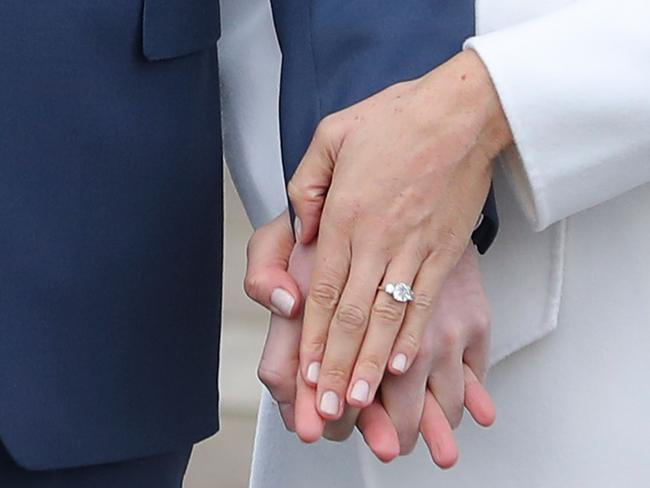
338,52
484,235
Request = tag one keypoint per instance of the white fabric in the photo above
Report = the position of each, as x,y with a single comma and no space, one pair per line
250,81
575,86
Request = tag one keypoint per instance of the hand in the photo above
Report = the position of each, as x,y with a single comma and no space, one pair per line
406,173
425,399
452,380
279,367
267,281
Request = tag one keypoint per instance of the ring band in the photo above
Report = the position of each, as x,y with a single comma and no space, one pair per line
401,292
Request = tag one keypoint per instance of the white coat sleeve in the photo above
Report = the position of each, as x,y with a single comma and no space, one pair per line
575,87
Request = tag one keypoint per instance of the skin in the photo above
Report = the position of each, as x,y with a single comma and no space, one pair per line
410,404
393,187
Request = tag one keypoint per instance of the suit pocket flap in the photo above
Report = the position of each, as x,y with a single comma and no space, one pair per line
173,28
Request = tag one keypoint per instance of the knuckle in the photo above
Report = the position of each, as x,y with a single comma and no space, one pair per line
450,241
423,301
295,190
448,337
299,192
351,318
327,128
325,294
409,343
388,311
371,365
252,285
275,381
482,325
314,347
336,376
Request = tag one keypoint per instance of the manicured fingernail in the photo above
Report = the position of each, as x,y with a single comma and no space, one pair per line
360,391
399,362
283,301
297,227
313,372
329,403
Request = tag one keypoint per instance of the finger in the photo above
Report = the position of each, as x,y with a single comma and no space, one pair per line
310,183
378,432
267,280
309,424
426,288
437,434
385,322
447,382
346,333
477,399
278,368
329,276
403,396
339,430
278,365
477,353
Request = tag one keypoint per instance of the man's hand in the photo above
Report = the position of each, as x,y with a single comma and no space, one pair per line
406,173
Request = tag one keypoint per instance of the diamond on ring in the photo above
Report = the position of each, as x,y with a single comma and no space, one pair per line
400,292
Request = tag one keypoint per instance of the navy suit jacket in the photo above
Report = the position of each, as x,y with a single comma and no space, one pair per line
110,218
111,201
338,52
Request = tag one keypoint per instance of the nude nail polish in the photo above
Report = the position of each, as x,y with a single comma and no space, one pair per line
283,301
329,403
313,372
360,391
399,362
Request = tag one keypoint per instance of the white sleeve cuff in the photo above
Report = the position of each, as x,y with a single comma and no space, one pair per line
575,87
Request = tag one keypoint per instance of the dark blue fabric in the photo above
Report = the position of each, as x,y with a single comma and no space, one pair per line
110,228
161,471
338,52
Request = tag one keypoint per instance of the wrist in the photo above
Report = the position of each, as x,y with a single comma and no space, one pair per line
494,129
466,83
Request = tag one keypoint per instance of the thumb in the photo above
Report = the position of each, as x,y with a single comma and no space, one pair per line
267,281
308,187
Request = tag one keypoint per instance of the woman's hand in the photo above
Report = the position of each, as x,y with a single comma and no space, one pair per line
408,404
400,180
430,397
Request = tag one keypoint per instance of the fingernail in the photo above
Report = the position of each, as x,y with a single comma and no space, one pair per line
297,227
329,403
313,372
283,301
360,391
399,362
